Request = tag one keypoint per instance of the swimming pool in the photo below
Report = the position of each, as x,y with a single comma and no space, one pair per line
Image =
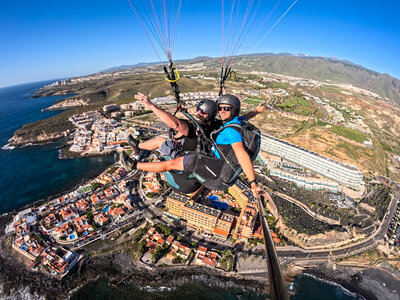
218,204
213,198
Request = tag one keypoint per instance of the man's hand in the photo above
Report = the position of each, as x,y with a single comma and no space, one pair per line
144,100
260,109
256,190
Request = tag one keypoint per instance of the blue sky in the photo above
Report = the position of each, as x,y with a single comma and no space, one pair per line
54,39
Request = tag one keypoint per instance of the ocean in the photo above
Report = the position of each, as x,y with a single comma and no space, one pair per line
33,173
304,287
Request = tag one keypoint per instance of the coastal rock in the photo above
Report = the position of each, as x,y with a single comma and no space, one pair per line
68,103
23,139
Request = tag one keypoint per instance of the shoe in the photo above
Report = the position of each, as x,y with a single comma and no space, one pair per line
134,143
127,162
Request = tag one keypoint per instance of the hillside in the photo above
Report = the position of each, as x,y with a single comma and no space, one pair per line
324,69
337,127
318,68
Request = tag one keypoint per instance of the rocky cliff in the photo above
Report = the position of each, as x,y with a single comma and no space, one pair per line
22,139
68,103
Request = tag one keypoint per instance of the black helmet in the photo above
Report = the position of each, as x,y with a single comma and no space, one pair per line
208,106
232,101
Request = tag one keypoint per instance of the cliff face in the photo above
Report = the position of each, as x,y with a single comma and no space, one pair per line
68,103
21,139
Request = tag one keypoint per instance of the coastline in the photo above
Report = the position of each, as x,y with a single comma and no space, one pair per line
366,282
15,277
111,257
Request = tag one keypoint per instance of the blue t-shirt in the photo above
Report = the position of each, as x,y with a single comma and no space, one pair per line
229,136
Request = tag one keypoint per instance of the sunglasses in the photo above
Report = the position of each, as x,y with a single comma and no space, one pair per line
203,112
225,108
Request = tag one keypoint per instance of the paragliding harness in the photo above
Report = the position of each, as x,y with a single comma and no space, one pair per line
220,173
214,173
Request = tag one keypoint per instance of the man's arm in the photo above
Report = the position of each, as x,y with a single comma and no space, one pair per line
171,121
251,114
247,166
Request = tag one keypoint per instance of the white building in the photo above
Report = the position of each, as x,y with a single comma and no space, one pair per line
347,175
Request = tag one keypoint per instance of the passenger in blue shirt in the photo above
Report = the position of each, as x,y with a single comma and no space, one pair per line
229,141
229,135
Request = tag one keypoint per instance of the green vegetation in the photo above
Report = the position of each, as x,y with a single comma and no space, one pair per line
139,249
252,101
275,85
321,123
298,105
304,125
164,229
350,133
140,233
160,252
379,199
330,89
386,147
178,260
96,185
89,216
227,260
151,195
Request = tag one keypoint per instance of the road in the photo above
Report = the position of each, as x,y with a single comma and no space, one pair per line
147,208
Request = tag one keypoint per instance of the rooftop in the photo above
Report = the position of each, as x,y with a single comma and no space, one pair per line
350,167
202,208
179,197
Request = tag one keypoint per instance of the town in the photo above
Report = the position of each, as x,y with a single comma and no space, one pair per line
207,228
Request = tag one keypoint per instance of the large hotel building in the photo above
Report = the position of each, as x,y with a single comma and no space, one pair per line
212,220
245,224
347,175
199,216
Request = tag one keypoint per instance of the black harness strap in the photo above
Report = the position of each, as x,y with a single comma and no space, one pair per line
224,75
171,78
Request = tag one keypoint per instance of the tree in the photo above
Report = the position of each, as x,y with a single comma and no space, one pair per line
96,185
178,260
38,259
89,216
165,229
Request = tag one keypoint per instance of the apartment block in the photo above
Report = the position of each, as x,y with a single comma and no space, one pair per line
200,216
245,223
224,225
175,202
242,194
307,183
345,174
248,214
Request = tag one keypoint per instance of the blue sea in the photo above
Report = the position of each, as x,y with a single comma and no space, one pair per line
33,173
304,287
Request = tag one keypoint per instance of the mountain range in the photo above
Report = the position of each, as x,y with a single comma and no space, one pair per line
318,68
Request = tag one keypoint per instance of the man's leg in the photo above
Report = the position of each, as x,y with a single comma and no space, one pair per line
152,144
168,165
